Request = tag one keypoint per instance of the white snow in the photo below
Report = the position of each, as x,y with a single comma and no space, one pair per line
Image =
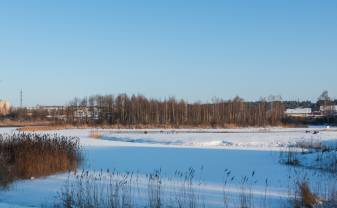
208,151
244,139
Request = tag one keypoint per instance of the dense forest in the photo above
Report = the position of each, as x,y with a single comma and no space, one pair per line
138,110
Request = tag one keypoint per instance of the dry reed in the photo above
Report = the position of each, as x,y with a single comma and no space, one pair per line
25,156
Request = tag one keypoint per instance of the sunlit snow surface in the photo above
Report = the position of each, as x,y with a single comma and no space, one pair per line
209,152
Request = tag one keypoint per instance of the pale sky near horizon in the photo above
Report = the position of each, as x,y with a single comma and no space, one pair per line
195,50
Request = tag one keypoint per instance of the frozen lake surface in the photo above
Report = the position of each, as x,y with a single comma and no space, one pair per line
253,153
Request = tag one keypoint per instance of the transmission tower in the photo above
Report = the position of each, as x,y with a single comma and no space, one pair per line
21,98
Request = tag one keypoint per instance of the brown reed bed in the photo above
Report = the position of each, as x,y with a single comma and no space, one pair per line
32,129
95,134
26,156
18,123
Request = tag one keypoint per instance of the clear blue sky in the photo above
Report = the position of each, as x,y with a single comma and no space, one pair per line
196,50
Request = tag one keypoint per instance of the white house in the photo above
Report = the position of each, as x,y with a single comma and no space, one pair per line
328,108
86,112
299,112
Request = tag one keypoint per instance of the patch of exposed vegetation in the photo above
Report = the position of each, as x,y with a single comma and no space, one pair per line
95,134
26,156
306,198
311,154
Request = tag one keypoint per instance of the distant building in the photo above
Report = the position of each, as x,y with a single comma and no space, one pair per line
328,109
5,108
86,113
299,112
46,108
65,112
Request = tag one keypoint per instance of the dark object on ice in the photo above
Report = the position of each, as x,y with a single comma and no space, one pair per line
315,132
307,132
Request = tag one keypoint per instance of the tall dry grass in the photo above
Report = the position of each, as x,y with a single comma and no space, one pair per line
95,134
32,129
118,190
309,199
23,156
325,156
18,123
113,189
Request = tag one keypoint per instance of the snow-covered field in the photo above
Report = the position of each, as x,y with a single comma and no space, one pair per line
209,152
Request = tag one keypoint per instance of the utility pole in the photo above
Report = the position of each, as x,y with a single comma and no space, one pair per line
21,98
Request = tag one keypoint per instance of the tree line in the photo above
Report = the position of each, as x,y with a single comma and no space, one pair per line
138,110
